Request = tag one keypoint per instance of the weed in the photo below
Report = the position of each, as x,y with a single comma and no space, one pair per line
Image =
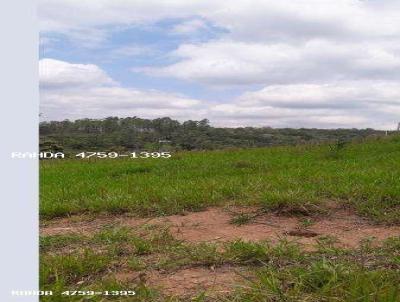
306,222
247,252
59,241
241,219
72,268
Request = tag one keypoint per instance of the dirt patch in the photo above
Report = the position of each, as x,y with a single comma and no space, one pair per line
350,229
219,225
189,281
215,225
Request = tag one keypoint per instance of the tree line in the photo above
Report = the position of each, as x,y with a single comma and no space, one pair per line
134,133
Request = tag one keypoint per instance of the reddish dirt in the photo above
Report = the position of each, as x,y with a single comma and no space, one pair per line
188,281
214,225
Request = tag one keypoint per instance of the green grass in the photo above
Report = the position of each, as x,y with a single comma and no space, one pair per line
322,280
366,175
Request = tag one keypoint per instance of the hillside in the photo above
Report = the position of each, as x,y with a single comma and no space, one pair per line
364,174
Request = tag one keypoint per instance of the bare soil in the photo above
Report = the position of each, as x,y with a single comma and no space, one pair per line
189,281
215,225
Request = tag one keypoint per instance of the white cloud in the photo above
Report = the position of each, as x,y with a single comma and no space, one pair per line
229,62
246,19
84,90
190,27
359,104
349,94
59,74
72,17
301,20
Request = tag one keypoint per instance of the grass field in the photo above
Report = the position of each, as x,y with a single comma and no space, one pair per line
299,181
366,174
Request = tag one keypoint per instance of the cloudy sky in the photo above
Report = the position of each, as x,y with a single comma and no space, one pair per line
303,63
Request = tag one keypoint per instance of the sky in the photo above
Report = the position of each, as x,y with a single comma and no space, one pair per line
303,63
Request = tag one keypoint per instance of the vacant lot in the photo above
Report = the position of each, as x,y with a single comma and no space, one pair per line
304,223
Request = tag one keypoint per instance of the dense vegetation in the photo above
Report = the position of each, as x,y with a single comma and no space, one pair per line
365,174
133,133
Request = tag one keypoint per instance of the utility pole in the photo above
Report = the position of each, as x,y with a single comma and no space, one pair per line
398,126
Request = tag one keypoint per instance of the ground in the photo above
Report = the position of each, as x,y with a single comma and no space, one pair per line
219,225
301,223
174,276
